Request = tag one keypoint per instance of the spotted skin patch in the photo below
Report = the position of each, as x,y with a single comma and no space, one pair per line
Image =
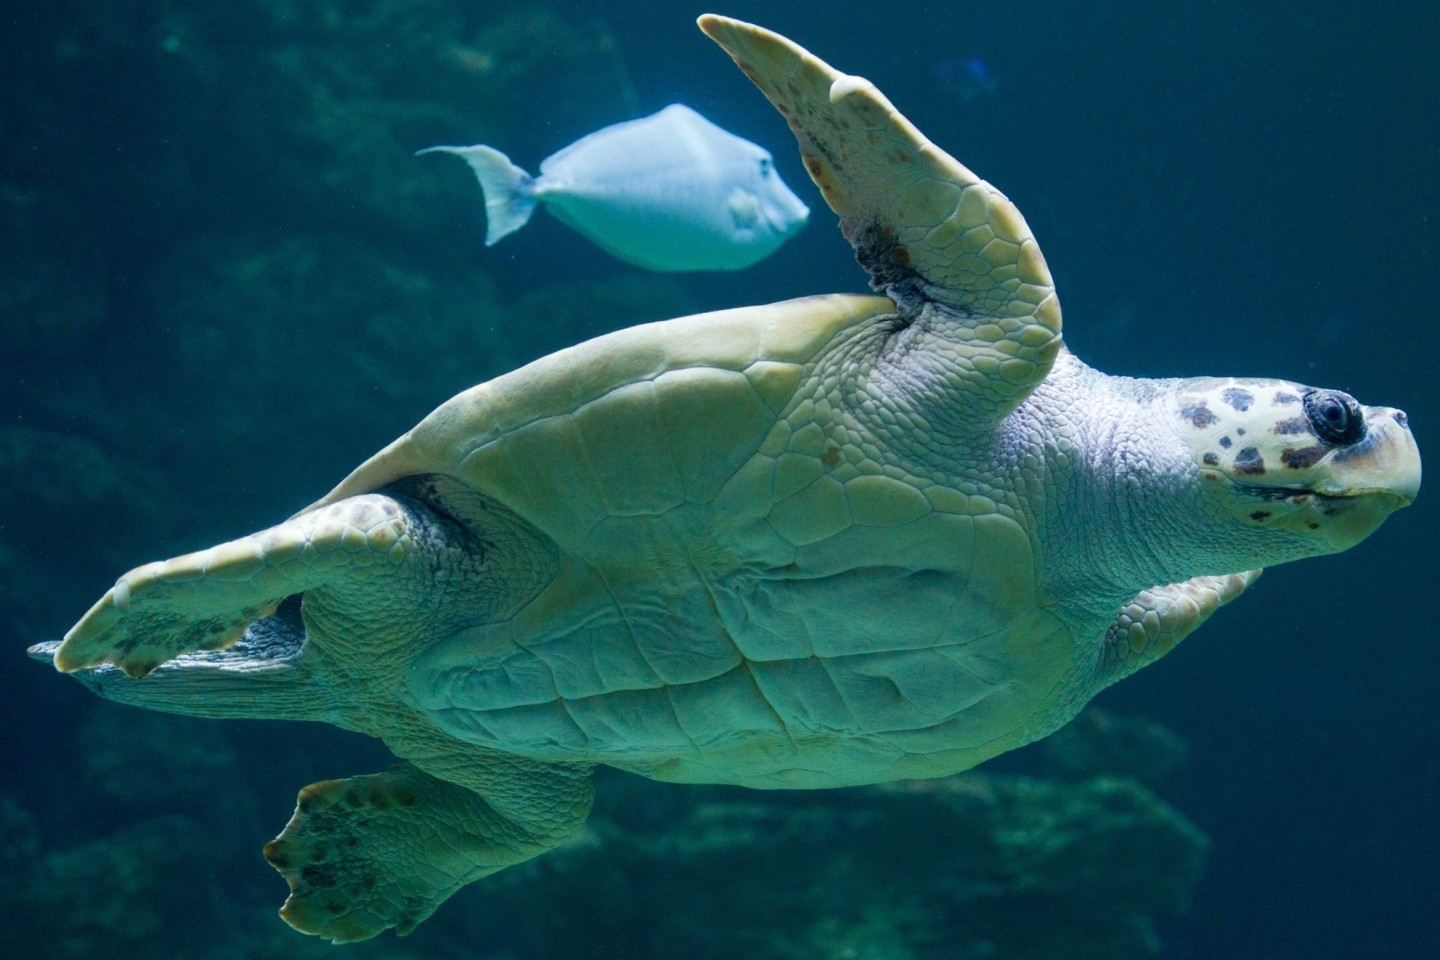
1249,462
1291,426
1238,399
1261,437
1199,415
1303,458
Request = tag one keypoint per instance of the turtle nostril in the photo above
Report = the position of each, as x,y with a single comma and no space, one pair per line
1401,419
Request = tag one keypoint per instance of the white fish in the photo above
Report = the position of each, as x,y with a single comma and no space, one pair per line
670,191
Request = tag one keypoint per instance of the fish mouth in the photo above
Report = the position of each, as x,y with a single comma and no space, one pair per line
787,219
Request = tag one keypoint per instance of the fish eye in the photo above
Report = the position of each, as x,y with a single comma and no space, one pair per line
764,166
1335,417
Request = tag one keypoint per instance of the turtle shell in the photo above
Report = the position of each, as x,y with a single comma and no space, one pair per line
732,554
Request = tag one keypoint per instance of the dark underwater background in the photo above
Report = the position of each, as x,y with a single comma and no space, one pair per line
225,280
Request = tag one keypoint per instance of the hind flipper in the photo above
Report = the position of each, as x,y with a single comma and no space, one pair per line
384,850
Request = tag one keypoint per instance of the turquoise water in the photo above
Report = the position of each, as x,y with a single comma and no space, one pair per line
224,280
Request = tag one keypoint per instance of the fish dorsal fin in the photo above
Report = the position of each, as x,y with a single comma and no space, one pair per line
927,229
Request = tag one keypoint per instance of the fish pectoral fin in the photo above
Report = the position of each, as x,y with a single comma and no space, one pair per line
744,209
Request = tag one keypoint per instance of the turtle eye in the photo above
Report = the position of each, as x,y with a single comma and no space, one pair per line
1335,417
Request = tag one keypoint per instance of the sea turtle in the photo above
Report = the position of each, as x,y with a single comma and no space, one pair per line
836,540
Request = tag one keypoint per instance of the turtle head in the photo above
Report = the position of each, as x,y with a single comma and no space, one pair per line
1312,463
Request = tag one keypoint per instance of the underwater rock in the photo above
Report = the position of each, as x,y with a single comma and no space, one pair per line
1101,742
970,866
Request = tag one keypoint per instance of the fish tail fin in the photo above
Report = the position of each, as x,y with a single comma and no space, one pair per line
509,191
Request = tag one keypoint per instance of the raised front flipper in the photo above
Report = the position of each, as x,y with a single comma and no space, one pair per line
933,235
205,600
1150,626
384,850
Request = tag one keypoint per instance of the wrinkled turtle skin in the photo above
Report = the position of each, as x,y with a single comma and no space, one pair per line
839,540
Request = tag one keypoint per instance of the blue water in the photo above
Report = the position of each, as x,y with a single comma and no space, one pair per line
224,281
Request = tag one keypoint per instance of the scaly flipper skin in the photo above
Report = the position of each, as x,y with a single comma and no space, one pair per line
1150,626
931,234
340,852
384,850
205,600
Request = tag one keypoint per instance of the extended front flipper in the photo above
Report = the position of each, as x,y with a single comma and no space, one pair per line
1150,626
205,600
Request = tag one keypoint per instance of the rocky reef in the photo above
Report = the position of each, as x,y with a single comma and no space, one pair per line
974,866
163,830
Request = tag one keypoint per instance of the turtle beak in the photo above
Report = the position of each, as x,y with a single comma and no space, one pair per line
1371,479
1385,462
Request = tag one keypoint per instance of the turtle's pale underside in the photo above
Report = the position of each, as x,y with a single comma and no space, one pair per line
838,540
